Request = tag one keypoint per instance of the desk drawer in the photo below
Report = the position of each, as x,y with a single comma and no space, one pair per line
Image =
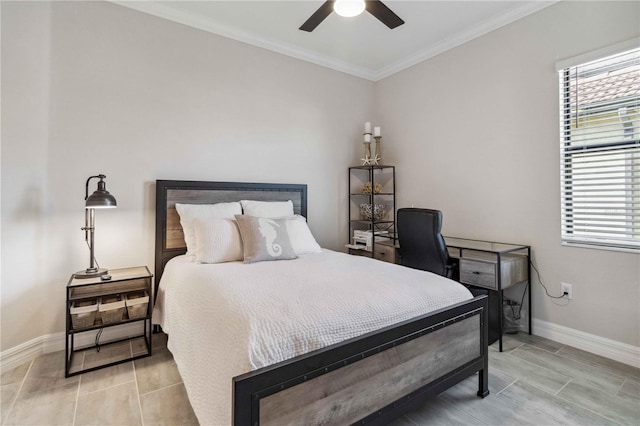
476,272
481,271
385,253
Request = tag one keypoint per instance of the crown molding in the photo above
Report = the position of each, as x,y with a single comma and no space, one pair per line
463,37
165,11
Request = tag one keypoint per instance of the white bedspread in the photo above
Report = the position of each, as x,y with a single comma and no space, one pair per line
227,319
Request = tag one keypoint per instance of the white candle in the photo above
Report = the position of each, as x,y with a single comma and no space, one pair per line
376,131
367,127
367,137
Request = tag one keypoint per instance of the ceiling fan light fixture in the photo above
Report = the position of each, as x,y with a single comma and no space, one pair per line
348,8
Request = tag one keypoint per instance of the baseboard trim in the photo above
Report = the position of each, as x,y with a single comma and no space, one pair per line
608,348
18,355
25,352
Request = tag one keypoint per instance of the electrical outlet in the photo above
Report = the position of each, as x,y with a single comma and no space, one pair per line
567,290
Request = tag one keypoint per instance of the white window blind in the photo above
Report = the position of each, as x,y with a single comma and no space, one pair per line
600,152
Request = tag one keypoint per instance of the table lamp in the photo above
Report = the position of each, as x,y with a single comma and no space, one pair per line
100,199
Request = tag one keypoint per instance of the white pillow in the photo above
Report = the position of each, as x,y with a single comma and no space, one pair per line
189,212
217,241
302,240
268,209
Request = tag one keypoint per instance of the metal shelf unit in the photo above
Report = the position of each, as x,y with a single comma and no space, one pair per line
386,177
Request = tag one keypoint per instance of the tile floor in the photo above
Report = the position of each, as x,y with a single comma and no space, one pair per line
148,391
534,381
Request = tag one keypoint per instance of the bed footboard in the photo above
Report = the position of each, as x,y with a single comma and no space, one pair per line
373,378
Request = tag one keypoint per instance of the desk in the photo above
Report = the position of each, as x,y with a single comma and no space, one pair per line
493,266
487,265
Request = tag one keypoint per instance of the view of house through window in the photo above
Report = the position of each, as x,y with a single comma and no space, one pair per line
600,152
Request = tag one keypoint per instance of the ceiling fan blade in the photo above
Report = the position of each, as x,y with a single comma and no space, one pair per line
383,13
318,16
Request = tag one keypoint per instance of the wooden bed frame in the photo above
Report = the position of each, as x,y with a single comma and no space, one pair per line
370,379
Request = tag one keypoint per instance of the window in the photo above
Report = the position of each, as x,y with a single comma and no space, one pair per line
600,151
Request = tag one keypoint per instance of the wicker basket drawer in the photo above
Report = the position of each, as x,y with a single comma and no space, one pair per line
111,308
83,313
137,303
479,273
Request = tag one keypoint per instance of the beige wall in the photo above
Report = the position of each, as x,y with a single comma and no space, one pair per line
474,132
93,88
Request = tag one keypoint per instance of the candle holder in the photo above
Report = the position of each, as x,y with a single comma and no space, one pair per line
378,154
366,161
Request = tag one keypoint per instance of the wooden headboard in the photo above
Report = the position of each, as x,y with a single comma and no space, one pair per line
169,236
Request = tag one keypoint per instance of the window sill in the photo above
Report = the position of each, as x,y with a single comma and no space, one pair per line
601,247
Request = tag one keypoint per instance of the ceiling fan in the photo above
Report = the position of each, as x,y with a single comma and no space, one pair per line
352,8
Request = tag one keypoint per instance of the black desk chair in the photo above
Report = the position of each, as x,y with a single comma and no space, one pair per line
421,243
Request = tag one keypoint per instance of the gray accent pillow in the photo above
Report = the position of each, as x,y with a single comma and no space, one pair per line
264,239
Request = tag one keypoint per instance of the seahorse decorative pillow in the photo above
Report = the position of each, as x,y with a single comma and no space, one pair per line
264,239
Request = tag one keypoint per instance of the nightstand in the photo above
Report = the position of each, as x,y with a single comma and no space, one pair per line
108,310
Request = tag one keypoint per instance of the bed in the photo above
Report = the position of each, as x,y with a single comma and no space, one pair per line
323,370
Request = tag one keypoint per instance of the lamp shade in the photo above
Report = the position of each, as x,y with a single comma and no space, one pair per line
101,198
